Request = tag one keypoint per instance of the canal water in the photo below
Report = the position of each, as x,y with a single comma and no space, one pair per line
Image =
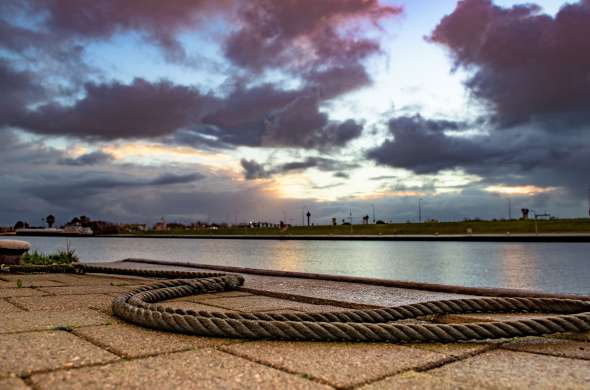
549,267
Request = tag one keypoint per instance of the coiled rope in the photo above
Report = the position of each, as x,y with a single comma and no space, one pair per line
140,306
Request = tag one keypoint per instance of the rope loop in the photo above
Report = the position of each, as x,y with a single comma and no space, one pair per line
140,306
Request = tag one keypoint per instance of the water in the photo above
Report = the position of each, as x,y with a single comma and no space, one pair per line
549,267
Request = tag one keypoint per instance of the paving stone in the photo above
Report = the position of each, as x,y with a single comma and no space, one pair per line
503,369
485,317
20,292
550,346
7,307
579,336
79,280
195,306
340,364
66,302
30,321
134,341
26,281
83,290
257,303
206,297
13,384
25,353
412,380
40,279
201,369
345,292
454,349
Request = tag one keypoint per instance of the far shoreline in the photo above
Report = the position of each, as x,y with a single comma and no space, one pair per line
531,230
541,237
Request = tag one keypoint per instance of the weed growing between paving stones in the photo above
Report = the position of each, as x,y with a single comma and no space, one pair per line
63,256
65,328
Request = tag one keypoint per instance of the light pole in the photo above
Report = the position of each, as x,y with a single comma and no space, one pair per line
373,207
509,209
303,215
419,210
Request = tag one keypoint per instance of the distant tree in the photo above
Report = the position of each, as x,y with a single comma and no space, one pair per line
19,225
74,221
50,219
85,221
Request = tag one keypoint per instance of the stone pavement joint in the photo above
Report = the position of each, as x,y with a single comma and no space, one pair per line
7,307
207,368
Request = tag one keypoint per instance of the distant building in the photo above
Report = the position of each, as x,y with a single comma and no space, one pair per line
78,229
161,226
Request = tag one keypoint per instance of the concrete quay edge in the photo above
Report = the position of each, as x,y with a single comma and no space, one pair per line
444,288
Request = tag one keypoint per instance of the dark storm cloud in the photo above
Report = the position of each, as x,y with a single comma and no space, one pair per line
421,145
92,158
172,178
241,119
270,117
255,170
341,175
526,64
301,34
83,186
300,123
18,89
258,116
116,110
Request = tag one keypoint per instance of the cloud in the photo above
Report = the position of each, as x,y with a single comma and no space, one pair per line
116,110
18,89
254,170
302,34
158,21
261,116
264,116
421,145
329,41
527,65
92,158
96,183
300,123
532,71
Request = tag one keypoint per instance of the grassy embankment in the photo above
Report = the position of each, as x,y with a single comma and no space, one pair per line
477,227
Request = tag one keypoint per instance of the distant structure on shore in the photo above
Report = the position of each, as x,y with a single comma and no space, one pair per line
66,231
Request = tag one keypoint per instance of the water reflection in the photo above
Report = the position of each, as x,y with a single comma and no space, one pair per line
552,267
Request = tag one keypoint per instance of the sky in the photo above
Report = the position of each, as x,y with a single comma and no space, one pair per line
236,111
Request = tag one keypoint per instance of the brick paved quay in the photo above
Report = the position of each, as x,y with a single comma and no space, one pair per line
57,332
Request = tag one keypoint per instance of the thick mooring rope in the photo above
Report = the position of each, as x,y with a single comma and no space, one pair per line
140,306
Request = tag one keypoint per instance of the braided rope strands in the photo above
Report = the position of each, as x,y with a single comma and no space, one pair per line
140,306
